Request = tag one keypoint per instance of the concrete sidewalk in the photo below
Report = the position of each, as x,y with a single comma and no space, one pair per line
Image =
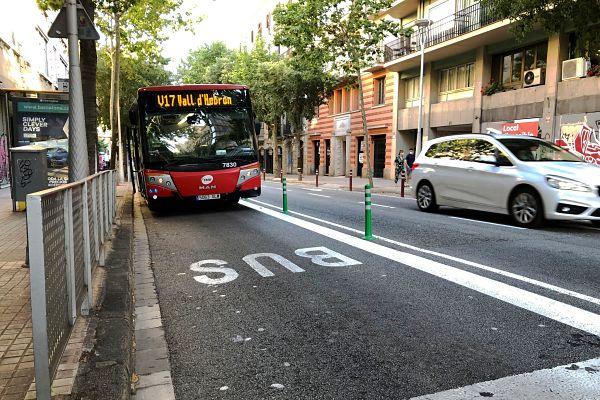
16,342
380,185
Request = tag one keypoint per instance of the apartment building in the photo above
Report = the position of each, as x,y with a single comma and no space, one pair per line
335,139
478,78
31,65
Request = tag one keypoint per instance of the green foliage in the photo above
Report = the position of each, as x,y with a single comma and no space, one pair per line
136,72
554,16
49,4
208,64
278,86
340,33
143,24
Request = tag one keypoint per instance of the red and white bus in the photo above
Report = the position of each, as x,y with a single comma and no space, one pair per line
193,143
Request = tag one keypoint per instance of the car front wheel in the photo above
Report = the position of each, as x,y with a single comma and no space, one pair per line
426,197
526,208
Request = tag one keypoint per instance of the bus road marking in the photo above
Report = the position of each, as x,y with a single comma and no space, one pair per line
320,255
558,311
535,282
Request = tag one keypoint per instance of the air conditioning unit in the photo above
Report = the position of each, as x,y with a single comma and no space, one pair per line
575,68
533,77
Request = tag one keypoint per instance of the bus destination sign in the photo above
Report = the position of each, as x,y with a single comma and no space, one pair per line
168,101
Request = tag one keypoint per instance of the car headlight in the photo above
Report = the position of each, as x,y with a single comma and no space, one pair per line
560,183
246,174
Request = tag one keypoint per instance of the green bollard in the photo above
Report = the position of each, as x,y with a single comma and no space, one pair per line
285,205
368,224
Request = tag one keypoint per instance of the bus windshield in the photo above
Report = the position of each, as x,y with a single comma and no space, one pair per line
200,136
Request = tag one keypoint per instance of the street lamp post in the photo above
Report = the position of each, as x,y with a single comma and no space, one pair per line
422,24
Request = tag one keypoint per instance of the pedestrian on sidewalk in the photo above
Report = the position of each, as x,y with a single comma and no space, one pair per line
410,160
400,163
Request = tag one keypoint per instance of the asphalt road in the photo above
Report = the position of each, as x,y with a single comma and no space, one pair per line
437,302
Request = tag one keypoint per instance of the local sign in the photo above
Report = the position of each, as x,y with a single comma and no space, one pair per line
521,128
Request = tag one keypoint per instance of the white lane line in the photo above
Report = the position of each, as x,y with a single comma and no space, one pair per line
319,195
553,309
497,271
377,205
397,197
312,189
488,223
566,382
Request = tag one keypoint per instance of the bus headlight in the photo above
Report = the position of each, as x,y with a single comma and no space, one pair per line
246,174
162,180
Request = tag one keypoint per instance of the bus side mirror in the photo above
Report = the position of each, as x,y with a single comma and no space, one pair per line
133,117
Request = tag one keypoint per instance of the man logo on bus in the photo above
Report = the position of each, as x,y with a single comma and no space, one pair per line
207,179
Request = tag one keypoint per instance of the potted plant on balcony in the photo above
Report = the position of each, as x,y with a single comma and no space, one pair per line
492,87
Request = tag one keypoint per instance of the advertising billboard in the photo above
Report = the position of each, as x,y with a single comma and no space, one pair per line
44,123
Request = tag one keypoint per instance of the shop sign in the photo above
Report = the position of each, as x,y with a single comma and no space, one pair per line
530,128
44,123
341,125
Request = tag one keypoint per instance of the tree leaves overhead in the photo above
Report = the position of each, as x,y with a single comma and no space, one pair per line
136,72
554,16
278,86
343,34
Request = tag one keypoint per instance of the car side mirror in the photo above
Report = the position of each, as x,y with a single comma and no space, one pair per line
487,159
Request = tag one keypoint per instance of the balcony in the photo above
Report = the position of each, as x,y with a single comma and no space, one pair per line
464,21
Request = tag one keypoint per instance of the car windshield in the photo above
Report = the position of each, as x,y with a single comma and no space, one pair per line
533,150
200,136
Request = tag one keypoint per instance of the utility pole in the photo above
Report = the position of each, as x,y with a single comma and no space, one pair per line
74,24
78,157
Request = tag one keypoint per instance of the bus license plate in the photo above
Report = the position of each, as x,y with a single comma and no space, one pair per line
208,197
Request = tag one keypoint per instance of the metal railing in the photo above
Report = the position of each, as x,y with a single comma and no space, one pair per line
67,227
467,20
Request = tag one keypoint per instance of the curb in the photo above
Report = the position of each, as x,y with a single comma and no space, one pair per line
152,378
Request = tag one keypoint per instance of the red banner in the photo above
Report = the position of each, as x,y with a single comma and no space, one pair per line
521,128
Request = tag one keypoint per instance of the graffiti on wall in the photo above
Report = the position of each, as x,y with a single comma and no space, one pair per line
580,134
4,168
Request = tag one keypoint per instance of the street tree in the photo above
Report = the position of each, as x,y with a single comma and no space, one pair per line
342,35
210,63
139,27
556,16
136,72
88,60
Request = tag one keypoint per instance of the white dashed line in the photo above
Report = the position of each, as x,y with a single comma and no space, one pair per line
488,223
377,205
319,195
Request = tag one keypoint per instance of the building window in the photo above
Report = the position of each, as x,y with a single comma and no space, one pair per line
379,90
355,103
456,79
337,101
510,67
44,56
411,92
346,100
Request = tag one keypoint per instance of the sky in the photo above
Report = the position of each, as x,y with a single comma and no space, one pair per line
229,21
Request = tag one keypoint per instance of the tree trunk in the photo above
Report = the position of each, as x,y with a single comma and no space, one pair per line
116,159
89,61
365,130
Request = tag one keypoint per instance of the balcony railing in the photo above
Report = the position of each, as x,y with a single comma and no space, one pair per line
467,20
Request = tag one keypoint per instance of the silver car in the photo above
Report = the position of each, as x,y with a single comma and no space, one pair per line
527,178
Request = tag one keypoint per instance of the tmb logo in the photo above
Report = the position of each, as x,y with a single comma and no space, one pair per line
207,179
